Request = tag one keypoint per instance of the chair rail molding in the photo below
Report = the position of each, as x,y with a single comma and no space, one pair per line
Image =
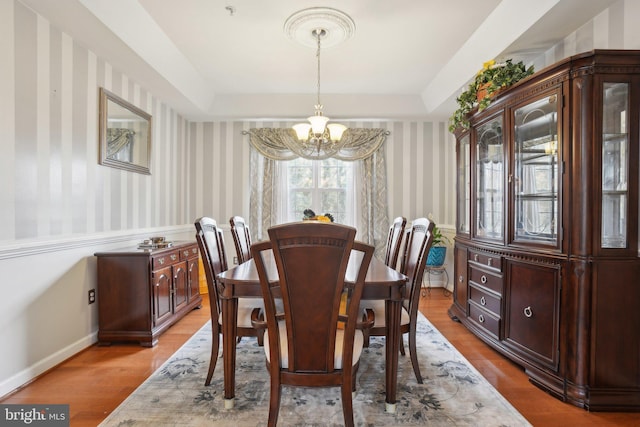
41,246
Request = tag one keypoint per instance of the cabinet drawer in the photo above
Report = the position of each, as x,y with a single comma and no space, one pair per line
164,259
188,253
484,319
485,299
486,260
486,279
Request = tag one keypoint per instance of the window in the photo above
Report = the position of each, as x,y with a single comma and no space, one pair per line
324,186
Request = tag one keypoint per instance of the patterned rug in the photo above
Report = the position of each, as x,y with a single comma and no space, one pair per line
453,393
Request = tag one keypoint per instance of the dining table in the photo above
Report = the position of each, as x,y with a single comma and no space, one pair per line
381,283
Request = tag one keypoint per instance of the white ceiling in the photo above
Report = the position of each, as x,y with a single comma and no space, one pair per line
406,58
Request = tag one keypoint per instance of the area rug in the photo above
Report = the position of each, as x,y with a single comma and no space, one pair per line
453,394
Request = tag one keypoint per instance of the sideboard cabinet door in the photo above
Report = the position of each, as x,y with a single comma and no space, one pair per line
180,286
489,180
533,312
460,295
535,175
161,287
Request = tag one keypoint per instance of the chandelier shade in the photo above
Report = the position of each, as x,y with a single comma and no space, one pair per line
336,130
302,130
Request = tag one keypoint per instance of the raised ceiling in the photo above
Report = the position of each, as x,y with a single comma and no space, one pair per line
212,59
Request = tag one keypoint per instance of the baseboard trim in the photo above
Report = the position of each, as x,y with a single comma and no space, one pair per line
33,372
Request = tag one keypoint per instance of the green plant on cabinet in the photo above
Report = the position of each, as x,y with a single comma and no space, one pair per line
488,81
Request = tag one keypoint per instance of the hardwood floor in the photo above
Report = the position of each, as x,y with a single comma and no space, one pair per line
97,380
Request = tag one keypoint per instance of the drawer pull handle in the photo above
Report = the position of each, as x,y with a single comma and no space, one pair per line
481,318
483,279
528,312
483,301
461,279
490,262
475,257
173,257
160,261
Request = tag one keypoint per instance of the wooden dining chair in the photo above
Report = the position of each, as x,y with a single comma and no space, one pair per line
310,341
418,241
212,251
394,241
403,250
241,238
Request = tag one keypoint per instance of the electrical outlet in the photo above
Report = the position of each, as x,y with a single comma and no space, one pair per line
235,259
92,296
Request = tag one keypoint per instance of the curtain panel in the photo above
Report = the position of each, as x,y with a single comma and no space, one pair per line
117,139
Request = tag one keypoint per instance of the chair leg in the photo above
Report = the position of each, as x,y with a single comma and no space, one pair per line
274,402
414,354
215,347
347,405
365,338
353,376
401,345
260,337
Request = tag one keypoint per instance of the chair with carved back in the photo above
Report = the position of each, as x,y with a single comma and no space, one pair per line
394,241
212,251
418,240
241,238
310,341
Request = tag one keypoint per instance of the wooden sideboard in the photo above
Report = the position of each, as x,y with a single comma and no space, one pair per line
142,292
547,245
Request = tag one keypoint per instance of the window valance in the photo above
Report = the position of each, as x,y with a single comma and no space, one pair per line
276,143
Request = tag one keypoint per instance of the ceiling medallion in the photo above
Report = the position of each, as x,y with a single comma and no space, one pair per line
338,26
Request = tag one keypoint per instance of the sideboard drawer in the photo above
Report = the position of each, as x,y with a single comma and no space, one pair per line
485,279
164,260
486,260
188,253
488,300
484,319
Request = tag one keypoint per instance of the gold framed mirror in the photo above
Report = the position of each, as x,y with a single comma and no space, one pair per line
125,134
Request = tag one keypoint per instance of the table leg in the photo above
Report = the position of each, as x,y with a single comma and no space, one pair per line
229,334
392,312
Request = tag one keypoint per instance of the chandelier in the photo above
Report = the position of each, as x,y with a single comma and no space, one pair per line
318,139
317,135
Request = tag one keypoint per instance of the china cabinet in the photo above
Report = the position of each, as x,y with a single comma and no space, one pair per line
142,292
547,256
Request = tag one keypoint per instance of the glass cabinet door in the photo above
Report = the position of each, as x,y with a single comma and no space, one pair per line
464,184
615,164
535,172
490,180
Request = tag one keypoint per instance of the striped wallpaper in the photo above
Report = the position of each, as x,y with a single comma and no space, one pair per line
57,189
50,142
54,188
54,194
